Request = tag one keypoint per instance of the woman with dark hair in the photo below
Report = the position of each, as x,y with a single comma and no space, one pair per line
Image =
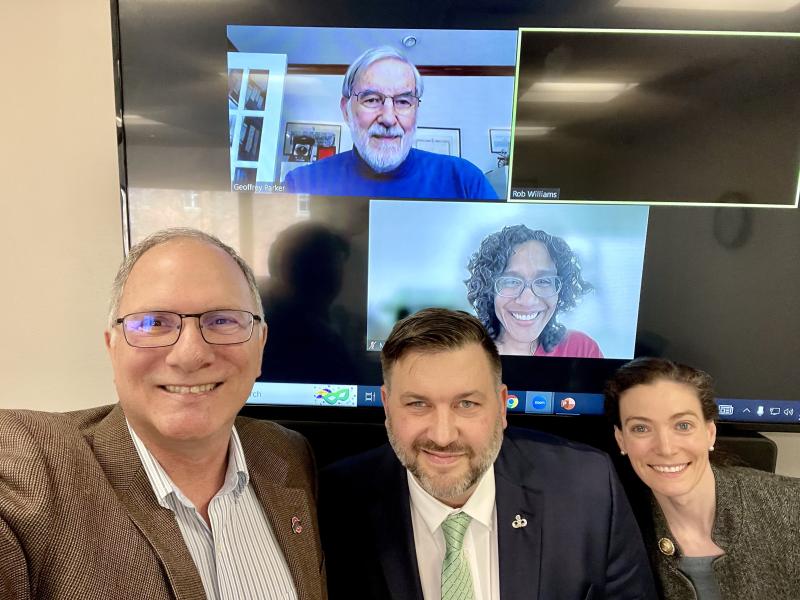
520,279
714,532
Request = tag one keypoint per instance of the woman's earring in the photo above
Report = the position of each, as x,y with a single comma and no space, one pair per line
711,449
623,452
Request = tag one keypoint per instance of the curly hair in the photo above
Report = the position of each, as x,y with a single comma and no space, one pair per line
490,261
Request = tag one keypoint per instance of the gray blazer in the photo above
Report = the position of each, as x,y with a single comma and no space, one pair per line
757,524
78,517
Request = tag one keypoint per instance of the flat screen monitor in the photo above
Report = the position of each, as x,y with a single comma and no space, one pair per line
652,153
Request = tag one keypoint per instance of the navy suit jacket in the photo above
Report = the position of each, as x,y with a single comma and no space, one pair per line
581,540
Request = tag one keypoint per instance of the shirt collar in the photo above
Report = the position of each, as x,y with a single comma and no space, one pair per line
236,474
480,505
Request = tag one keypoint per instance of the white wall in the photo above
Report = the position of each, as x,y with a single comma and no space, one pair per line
60,231
60,236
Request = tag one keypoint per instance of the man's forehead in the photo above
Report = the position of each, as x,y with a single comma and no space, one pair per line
443,375
184,267
187,253
471,357
387,72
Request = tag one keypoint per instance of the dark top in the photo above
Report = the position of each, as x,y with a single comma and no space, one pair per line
700,571
581,540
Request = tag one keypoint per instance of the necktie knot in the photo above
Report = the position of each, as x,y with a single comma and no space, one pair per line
454,528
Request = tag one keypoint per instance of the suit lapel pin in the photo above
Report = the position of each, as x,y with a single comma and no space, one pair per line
519,522
297,525
666,546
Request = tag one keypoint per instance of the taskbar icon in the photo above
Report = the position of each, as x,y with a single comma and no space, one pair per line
335,395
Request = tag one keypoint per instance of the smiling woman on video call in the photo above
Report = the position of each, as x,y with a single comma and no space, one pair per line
520,279
713,532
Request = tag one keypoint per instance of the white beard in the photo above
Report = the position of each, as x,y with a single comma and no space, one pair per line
388,156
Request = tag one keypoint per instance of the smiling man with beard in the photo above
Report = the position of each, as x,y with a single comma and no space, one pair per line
454,508
381,97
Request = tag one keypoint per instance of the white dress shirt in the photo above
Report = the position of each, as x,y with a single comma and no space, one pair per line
480,541
238,556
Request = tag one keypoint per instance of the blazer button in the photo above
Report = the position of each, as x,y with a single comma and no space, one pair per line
666,546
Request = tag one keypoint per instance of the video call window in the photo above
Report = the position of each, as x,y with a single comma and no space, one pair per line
686,117
548,280
180,170
396,135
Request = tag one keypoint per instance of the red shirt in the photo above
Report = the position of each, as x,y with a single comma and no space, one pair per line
575,344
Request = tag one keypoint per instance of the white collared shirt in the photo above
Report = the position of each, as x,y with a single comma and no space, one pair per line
480,541
238,556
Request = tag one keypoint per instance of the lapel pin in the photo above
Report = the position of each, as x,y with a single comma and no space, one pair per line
297,525
666,546
519,522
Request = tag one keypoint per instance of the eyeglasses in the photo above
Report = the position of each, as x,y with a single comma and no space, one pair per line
374,101
512,287
156,329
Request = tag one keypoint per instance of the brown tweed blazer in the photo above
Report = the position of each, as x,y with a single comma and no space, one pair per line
79,520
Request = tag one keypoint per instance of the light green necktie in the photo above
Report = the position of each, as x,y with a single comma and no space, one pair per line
456,578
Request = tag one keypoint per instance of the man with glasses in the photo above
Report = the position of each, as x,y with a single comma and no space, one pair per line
166,494
456,506
381,100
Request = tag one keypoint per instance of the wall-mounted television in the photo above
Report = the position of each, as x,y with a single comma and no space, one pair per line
666,203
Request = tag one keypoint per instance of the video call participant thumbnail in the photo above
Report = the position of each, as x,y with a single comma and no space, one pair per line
166,494
455,508
520,279
381,101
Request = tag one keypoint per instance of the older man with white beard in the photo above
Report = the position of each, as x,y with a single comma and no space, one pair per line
381,96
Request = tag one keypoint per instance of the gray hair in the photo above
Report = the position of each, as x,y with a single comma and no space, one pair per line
162,237
372,56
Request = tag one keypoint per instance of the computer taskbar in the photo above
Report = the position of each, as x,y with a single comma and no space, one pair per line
535,402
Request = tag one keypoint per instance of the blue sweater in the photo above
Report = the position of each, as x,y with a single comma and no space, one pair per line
421,175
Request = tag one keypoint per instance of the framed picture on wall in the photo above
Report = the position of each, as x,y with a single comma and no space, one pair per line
499,140
307,142
441,140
